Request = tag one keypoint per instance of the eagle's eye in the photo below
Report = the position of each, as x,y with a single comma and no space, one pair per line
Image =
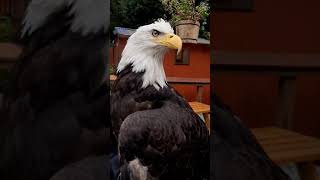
155,33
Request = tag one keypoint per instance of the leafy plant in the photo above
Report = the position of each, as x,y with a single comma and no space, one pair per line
186,10
135,13
112,69
6,29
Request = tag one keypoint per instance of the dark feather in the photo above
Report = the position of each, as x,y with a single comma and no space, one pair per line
91,168
56,104
236,149
159,128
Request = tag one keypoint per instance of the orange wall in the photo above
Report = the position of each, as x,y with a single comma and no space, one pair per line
274,26
199,67
278,26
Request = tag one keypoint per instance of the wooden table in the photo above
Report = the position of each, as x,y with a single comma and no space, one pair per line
284,146
9,53
198,82
204,109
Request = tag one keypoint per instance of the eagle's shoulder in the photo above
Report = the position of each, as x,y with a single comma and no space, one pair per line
79,12
127,81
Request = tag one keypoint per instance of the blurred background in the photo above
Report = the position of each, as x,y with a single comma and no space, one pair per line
265,65
188,72
267,55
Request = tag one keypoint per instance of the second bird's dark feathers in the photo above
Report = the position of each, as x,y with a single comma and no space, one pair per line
56,104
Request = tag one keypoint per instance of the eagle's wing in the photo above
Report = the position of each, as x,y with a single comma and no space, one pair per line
91,168
236,150
39,13
165,139
63,64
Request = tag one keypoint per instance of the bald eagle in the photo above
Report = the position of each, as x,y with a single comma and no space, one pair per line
157,133
55,107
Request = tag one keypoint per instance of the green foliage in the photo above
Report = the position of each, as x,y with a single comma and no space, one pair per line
186,9
6,29
203,10
135,13
112,69
203,32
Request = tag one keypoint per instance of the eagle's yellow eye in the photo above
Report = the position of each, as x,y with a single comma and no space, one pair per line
155,33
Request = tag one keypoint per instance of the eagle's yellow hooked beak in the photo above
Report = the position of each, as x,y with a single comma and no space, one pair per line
171,41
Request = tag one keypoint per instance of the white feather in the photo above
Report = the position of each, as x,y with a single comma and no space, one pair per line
145,55
139,172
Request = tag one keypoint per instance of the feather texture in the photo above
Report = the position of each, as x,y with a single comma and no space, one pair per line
87,17
236,150
159,128
56,102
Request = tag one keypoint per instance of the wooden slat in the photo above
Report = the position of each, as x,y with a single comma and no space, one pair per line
207,121
263,133
183,80
291,60
295,156
180,80
301,146
284,146
9,51
9,54
279,136
200,107
204,109
285,140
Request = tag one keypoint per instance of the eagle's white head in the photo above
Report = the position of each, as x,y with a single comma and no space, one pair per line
146,49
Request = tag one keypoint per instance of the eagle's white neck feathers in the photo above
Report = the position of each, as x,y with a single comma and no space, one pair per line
147,61
146,56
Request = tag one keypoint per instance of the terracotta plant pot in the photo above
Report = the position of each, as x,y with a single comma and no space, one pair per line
188,30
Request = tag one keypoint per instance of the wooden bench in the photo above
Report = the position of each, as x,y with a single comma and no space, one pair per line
204,109
9,54
284,146
198,82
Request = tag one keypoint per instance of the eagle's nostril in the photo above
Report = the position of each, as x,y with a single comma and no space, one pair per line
171,36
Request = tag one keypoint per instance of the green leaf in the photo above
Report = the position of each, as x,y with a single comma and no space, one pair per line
6,29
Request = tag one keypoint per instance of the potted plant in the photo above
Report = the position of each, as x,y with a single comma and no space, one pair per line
186,17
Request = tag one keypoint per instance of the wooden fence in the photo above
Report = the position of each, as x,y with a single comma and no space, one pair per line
6,7
270,89
13,8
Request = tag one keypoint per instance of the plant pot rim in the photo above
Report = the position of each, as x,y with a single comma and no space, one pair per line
188,21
